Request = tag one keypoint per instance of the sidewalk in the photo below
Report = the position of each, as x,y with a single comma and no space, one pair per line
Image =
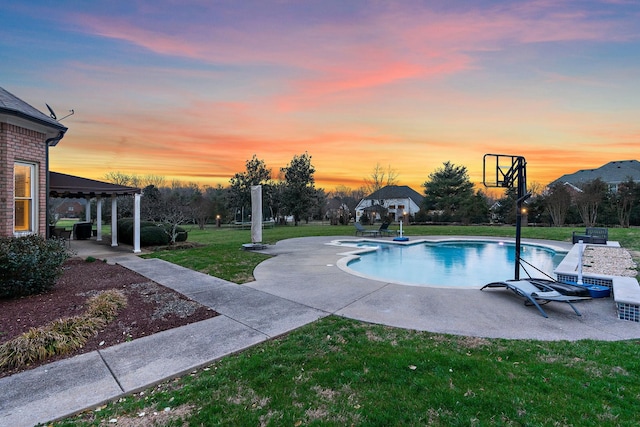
247,317
300,284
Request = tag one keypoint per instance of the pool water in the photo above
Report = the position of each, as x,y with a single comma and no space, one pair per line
451,264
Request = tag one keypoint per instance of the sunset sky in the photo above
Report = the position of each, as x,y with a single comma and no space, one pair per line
190,90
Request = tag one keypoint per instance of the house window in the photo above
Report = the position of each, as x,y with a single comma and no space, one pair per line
24,198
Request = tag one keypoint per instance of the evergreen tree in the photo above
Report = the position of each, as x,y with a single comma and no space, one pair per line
299,187
447,190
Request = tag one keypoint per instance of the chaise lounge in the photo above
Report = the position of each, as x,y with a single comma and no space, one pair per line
364,231
384,230
535,293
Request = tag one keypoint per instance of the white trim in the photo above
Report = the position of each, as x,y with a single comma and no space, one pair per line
33,176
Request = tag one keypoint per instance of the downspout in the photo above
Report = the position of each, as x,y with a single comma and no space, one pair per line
49,142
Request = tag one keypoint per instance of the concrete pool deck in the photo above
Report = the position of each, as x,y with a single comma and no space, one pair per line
305,270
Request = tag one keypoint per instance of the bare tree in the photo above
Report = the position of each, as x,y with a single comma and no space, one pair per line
557,203
624,199
380,178
118,178
174,211
589,199
157,181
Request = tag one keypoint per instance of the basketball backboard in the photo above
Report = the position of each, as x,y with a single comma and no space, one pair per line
501,170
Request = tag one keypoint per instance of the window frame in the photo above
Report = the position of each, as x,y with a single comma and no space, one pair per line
32,199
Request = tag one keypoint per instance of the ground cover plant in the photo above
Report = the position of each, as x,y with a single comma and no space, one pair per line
343,372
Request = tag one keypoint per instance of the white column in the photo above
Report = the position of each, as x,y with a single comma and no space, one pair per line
87,211
114,220
136,223
99,218
256,214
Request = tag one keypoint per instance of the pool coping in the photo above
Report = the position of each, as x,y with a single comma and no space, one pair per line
351,255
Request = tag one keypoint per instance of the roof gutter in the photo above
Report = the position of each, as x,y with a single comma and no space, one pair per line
51,124
49,142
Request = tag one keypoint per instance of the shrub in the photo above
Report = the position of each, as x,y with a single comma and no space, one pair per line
29,264
151,233
153,236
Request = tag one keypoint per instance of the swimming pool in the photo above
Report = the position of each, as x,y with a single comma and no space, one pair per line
462,264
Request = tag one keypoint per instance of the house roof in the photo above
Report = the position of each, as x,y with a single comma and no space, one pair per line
396,192
612,173
62,185
11,105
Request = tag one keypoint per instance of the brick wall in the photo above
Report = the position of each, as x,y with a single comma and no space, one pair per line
18,144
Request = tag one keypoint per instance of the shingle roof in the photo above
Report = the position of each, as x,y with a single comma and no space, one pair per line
12,105
63,185
396,192
612,173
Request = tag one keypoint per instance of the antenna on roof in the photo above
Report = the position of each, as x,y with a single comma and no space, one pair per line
71,112
53,114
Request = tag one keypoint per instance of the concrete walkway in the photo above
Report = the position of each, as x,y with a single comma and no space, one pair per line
300,284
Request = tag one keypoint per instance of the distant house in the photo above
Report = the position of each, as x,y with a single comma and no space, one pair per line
69,208
613,174
25,137
393,201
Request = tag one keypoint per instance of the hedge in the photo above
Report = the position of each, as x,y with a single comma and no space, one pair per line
30,264
151,233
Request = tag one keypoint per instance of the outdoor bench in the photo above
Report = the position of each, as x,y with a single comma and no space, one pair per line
597,235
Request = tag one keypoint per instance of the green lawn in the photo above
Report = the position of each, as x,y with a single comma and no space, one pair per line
339,372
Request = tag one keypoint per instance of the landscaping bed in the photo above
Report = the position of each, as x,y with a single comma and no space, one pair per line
150,307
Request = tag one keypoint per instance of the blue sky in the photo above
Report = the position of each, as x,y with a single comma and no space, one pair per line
191,90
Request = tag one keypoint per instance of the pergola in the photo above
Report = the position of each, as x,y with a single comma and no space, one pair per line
69,186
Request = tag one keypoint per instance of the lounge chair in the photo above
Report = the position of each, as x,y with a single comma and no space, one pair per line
384,230
365,232
534,292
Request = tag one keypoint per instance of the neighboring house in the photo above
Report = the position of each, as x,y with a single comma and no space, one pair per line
25,137
68,208
393,201
613,174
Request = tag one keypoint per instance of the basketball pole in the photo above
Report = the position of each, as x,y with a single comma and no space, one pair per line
521,197
516,172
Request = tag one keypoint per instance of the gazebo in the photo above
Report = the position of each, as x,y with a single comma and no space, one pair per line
69,186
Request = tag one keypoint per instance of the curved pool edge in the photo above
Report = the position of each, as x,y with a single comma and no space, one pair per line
351,255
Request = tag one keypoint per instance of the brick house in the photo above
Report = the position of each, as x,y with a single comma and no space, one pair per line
25,137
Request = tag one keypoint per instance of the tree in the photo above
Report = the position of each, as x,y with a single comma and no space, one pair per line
475,210
345,201
217,197
380,178
174,209
588,200
299,189
118,178
557,203
447,189
624,199
256,173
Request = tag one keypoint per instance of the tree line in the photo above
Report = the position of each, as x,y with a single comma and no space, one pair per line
449,197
